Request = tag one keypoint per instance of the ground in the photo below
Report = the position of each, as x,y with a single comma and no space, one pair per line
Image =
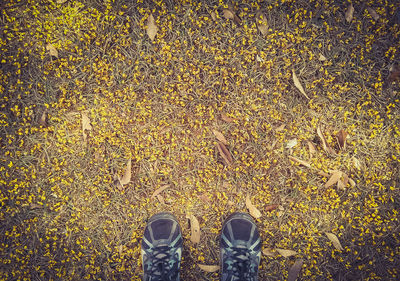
96,116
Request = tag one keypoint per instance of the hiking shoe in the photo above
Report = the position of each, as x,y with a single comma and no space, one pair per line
240,248
161,248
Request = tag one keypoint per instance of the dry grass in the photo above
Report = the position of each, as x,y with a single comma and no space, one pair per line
63,217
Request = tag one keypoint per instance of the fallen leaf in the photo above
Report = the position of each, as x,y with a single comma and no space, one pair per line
295,270
325,144
230,14
270,208
195,229
357,163
268,252
311,147
262,23
298,85
220,137
352,182
394,73
43,119
126,178
226,118
336,175
159,190
280,128
286,253
213,16
254,212
85,125
373,14
335,241
349,13
209,268
291,143
341,184
52,50
224,152
322,57
302,162
341,138
152,28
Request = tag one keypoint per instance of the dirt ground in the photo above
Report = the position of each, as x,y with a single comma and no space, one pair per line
114,110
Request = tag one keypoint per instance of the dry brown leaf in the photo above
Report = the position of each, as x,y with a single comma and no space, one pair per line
325,144
336,175
341,138
220,137
280,128
159,190
270,208
286,253
322,57
349,13
85,125
213,16
302,162
126,178
268,252
298,84
373,14
228,14
295,270
357,163
311,147
52,50
152,28
43,119
335,241
340,184
352,182
195,229
209,268
262,23
226,118
224,152
254,212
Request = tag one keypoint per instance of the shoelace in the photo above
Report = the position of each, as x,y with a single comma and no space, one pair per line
160,269
243,264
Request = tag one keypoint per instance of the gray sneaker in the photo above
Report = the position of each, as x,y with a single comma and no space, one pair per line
240,248
162,248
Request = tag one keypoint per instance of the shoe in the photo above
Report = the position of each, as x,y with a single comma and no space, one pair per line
162,248
240,248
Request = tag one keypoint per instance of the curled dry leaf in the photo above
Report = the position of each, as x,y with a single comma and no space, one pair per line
209,268
295,270
341,139
194,229
126,178
336,176
43,119
349,13
231,15
52,50
254,212
159,190
298,84
220,137
325,144
286,253
311,147
270,208
373,14
262,23
335,241
224,152
226,118
268,252
301,162
85,125
152,28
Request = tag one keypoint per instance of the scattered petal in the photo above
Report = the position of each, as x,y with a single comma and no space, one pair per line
349,13
335,241
286,253
254,212
295,270
298,85
220,137
209,268
152,28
